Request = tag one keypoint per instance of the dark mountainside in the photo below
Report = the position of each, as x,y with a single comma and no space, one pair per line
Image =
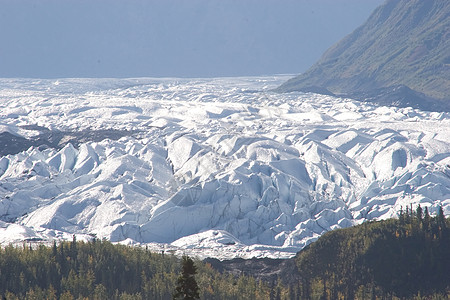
400,57
13,144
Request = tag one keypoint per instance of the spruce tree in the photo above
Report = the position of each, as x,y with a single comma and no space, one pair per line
441,217
419,213
426,219
187,287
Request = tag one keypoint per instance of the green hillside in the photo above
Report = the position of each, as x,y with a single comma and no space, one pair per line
406,258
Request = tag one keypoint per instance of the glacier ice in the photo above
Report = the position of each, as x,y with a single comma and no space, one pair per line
217,167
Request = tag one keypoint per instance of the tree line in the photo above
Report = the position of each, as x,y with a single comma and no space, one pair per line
405,258
101,270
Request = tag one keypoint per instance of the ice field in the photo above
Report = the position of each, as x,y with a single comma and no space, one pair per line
218,167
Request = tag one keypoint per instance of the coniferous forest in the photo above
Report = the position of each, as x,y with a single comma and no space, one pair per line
101,270
404,258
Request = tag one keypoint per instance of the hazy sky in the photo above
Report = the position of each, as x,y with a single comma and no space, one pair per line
182,38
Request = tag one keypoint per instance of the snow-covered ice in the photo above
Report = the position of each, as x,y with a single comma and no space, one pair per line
217,167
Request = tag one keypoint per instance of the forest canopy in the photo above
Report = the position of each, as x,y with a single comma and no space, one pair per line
399,258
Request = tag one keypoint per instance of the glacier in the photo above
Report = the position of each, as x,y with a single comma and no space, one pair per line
218,167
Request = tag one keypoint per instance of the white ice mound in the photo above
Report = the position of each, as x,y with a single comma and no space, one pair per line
181,150
207,239
215,164
15,233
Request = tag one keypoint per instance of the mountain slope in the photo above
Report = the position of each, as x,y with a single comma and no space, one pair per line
404,257
403,43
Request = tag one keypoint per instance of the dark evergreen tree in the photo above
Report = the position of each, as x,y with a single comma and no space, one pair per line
54,249
187,287
426,219
419,213
401,216
441,218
